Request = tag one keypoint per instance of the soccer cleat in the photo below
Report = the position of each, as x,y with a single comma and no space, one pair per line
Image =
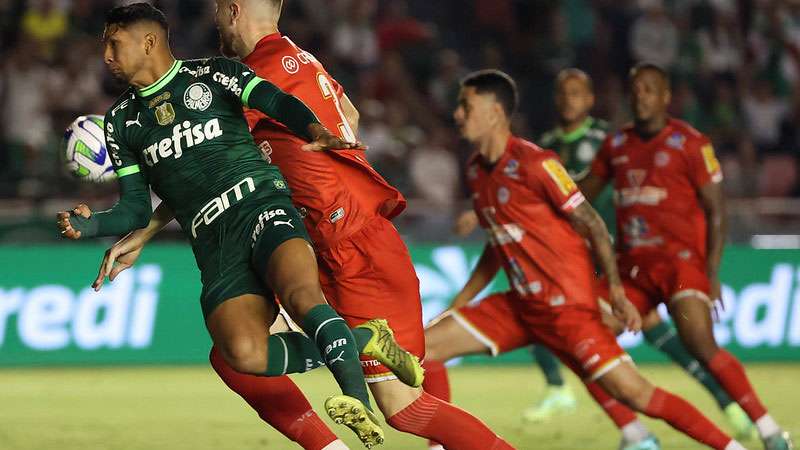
779,441
648,443
558,400
388,352
350,412
742,426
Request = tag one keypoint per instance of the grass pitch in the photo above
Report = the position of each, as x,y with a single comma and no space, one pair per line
188,408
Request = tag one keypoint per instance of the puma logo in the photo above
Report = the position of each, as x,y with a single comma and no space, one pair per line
338,358
283,222
133,122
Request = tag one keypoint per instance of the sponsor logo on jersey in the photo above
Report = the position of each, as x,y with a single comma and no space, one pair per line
184,136
337,215
638,194
266,151
511,169
661,159
200,71
507,233
111,143
122,105
218,205
165,114
227,82
263,220
619,160
290,64
676,140
161,98
197,96
562,179
129,123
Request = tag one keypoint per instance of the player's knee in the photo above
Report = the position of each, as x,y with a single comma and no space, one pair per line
300,297
633,393
245,355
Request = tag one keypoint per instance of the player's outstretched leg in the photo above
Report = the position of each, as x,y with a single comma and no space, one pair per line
558,398
693,320
664,338
279,402
292,273
635,435
625,384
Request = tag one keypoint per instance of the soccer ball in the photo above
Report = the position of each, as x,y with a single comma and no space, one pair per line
84,150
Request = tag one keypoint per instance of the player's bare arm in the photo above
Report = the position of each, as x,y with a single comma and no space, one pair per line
124,253
481,276
586,221
591,185
713,201
350,112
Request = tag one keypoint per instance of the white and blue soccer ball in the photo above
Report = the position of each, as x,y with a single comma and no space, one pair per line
84,149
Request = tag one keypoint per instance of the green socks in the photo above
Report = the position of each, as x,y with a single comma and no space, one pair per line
362,335
665,338
549,365
337,344
291,352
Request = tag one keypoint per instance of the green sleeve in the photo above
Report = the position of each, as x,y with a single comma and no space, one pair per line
131,212
286,109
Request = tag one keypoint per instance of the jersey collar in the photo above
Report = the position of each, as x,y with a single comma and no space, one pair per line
262,43
577,133
161,82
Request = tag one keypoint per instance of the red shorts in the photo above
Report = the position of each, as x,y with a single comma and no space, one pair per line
650,280
369,275
575,334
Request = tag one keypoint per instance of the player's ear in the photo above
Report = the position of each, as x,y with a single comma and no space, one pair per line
667,97
235,10
150,40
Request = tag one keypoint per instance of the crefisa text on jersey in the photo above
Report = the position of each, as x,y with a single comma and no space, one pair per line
184,136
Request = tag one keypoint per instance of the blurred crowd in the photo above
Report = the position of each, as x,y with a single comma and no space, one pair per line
735,66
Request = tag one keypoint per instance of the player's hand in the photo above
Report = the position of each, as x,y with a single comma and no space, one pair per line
64,225
624,310
119,257
715,293
325,140
465,223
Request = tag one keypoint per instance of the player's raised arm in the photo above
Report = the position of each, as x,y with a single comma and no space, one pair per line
131,212
481,276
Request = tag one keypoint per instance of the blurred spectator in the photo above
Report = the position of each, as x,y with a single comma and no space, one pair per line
45,22
764,112
354,40
654,37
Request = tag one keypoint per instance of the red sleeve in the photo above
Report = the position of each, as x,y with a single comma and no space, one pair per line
704,167
601,166
548,177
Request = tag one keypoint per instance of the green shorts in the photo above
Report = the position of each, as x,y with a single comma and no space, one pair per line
233,254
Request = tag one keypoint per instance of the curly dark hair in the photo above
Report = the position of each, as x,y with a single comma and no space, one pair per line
135,13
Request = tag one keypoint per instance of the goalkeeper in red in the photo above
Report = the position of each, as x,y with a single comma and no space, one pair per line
532,212
671,230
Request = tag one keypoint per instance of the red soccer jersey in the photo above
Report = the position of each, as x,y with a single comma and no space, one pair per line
656,185
522,203
338,192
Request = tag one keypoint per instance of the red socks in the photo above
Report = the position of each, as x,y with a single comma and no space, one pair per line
685,418
436,382
279,402
619,413
730,374
442,422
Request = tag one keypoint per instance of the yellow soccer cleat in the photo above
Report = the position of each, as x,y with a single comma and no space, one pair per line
350,412
388,352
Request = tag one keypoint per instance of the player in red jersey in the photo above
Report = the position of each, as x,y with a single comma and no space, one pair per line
532,211
671,230
365,269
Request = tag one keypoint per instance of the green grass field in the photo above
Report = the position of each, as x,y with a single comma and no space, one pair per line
188,408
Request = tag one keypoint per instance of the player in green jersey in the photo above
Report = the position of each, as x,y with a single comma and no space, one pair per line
179,128
577,139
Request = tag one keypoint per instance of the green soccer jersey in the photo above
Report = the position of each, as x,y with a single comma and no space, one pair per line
187,137
577,151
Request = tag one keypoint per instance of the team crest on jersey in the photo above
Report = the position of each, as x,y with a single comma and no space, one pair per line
163,97
661,159
676,141
585,152
198,97
619,139
165,114
503,195
511,169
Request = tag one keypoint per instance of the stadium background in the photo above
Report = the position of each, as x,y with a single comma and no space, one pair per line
736,76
